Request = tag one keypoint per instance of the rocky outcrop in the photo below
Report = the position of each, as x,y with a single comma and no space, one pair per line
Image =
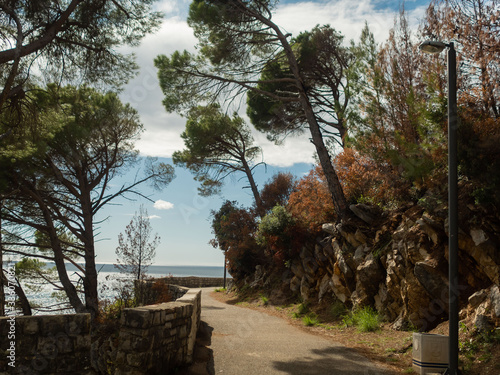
398,263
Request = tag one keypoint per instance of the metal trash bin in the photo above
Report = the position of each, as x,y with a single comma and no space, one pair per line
430,353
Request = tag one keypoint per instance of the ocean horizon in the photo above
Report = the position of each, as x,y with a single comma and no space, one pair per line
109,276
158,270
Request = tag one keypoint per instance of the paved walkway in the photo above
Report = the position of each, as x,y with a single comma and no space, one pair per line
249,342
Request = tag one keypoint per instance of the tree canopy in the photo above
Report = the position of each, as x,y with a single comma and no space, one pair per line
242,49
136,250
216,147
66,182
70,41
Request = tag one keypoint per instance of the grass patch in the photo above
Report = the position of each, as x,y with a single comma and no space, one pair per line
365,319
264,300
303,308
310,320
220,290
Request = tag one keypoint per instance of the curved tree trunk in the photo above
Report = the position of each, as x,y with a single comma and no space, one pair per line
55,243
253,187
334,186
90,280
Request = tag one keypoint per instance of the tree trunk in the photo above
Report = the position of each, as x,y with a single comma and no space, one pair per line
253,187
90,280
18,290
334,186
25,305
55,243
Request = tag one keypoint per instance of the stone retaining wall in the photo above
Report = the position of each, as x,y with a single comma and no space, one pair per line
153,339
47,344
195,282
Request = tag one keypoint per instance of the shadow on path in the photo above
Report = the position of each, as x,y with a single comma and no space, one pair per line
325,361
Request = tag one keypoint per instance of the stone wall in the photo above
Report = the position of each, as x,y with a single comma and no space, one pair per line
398,264
152,339
48,344
195,282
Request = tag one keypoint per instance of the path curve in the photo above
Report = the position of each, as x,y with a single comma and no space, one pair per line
250,342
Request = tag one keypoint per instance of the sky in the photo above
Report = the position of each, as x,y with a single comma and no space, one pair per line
178,214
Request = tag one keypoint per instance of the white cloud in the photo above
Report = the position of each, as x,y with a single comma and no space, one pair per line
152,217
163,205
346,16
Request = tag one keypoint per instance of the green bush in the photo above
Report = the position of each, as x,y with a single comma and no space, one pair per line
310,320
365,319
303,308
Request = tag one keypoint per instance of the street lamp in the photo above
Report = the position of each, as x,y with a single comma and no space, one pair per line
435,47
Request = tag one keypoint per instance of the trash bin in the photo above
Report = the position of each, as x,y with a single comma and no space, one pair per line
430,353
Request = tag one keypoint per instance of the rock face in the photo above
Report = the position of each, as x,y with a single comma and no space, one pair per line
399,265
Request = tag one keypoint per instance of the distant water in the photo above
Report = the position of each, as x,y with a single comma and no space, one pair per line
108,274
178,271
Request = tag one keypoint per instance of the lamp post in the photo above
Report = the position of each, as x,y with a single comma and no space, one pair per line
434,47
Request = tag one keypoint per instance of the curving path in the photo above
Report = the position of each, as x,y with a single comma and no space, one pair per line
249,342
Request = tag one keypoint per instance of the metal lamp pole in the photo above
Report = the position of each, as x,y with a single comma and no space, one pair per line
435,47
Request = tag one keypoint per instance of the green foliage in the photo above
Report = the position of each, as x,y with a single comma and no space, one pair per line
61,186
216,147
274,224
178,87
136,250
264,300
74,41
112,311
322,61
225,29
303,308
278,233
365,319
310,320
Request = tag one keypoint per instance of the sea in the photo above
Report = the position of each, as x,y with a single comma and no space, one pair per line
109,279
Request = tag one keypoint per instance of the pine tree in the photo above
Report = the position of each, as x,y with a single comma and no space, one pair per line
135,251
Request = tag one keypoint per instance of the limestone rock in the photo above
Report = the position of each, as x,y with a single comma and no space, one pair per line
366,213
360,253
310,266
305,289
319,255
297,269
295,284
482,323
342,261
433,281
368,276
495,300
339,288
324,287
306,252
478,236
329,228
477,298
430,228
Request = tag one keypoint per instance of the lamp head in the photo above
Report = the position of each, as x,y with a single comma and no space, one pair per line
432,47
